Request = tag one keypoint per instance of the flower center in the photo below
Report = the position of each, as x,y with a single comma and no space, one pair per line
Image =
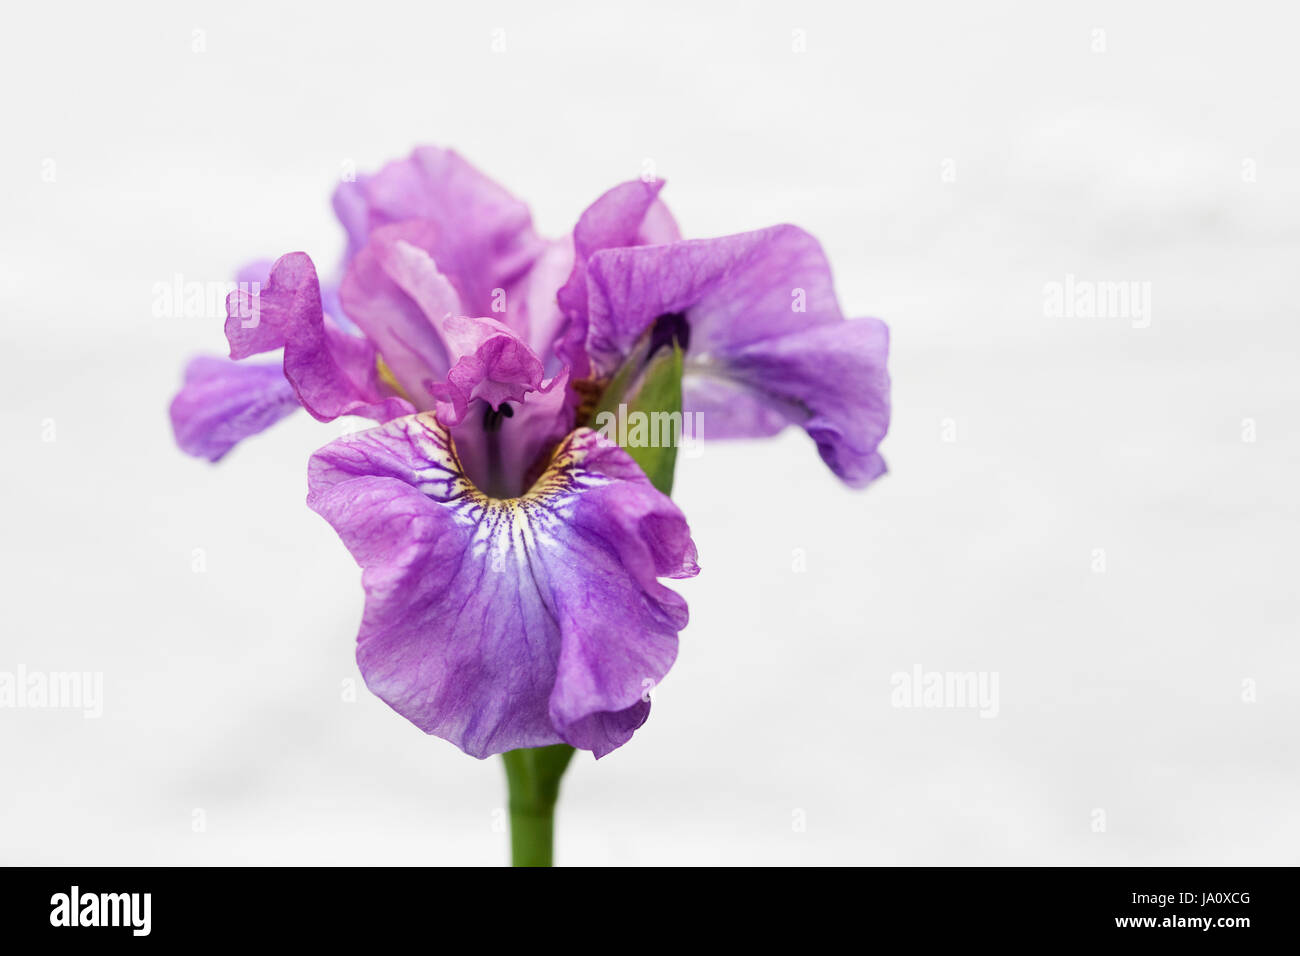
669,327
496,484
493,417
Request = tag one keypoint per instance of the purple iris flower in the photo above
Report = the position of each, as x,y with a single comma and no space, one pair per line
510,562
510,555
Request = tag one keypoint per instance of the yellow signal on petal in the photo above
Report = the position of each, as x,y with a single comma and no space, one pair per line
388,378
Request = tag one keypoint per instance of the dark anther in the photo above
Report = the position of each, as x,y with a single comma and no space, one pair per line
667,328
493,417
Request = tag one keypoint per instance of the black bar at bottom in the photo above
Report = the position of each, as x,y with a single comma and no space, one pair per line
88,906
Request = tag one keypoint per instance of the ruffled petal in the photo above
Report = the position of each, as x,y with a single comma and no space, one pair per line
492,364
485,239
767,341
223,402
500,624
332,373
258,270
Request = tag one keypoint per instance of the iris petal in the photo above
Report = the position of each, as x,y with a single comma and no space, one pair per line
630,214
332,372
768,343
483,236
506,623
223,402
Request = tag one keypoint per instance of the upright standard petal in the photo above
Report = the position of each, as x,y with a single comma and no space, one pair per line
484,235
395,294
766,343
507,623
535,311
223,402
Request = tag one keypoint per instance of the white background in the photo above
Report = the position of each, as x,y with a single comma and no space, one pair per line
1120,691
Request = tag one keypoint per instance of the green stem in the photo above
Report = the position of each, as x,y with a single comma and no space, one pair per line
533,777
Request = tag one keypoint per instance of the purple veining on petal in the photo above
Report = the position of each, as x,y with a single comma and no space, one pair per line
499,624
